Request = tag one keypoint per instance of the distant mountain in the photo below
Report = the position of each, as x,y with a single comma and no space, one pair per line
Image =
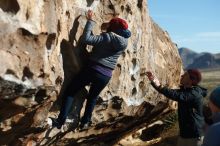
187,56
217,56
204,60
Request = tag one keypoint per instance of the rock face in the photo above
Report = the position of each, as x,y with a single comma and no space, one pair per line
40,52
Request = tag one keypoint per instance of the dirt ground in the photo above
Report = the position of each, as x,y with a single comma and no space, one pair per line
169,137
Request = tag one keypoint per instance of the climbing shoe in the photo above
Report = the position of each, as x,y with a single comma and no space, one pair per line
55,123
84,126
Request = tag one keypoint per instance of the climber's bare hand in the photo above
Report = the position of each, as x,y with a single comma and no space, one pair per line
89,14
150,76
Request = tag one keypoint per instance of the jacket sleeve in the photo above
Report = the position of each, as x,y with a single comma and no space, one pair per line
90,39
212,136
174,94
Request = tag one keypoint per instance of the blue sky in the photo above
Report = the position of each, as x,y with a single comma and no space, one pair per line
194,24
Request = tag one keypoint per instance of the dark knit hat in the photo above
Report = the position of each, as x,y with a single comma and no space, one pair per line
117,23
195,76
215,97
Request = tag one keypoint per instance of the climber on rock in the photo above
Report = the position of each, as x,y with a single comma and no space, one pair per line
107,47
190,106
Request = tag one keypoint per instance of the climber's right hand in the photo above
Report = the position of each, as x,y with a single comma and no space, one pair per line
149,75
152,78
89,14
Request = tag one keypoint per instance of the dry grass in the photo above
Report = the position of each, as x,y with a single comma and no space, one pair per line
210,80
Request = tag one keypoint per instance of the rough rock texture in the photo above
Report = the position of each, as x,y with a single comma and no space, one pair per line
40,52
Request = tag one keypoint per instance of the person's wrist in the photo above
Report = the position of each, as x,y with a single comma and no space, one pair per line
156,82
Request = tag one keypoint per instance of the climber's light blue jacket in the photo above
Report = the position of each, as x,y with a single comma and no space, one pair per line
107,47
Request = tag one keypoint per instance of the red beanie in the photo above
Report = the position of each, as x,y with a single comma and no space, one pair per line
195,76
117,23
